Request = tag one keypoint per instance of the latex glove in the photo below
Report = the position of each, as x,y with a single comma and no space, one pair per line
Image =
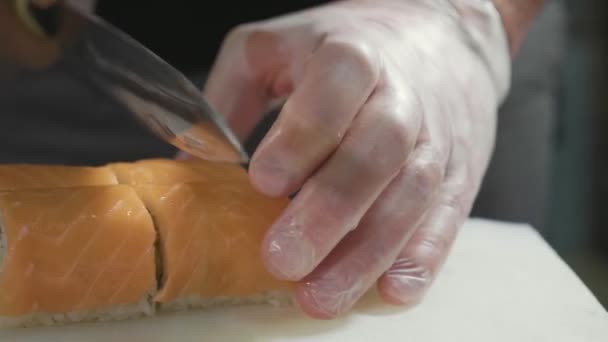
388,127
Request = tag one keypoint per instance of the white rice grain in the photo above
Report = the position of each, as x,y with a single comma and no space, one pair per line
140,309
193,302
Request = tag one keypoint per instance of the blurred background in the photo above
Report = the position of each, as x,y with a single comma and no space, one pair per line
549,170
550,163
578,216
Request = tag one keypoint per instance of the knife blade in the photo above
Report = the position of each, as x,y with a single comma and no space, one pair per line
157,94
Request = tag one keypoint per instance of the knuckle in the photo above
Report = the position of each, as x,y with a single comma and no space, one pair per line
427,175
400,134
356,57
392,143
402,123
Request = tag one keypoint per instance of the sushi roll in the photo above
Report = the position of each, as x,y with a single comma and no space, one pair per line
119,241
210,239
75,254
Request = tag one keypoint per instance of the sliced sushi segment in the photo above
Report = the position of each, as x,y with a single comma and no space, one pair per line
75,254
169,172
210,238
38,176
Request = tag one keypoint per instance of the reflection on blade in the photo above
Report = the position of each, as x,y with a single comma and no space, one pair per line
205,142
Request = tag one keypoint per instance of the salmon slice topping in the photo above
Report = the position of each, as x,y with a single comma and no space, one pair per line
75,249
211,236
169,172
33,176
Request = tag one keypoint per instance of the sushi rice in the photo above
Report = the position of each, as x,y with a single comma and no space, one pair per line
121,312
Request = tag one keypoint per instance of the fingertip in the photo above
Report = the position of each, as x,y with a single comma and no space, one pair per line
388,295
287,255
307,299
402,290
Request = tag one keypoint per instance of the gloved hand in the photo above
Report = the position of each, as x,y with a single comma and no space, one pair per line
387,128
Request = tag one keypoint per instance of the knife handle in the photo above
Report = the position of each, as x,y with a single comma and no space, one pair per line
29,35
41,17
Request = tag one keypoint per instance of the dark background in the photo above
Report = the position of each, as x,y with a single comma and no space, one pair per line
189,33
580,209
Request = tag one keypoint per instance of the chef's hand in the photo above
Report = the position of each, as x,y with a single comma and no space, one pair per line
387,128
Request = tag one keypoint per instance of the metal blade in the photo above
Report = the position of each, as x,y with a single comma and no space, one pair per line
161,97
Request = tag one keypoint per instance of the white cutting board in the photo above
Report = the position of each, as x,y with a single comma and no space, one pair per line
501,283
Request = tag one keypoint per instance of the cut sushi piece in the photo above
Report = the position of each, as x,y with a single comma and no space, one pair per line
75,254
210,237
169,172
37,176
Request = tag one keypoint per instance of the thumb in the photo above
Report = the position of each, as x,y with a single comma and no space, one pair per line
248,74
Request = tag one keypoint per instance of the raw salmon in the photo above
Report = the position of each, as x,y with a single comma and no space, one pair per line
75,250
35,176
75,245
210,237
168,172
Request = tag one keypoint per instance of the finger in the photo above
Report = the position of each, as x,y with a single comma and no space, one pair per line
416,266
361,258
332,202
240,84
337,82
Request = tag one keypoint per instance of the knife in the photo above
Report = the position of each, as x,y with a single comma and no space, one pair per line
34,37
